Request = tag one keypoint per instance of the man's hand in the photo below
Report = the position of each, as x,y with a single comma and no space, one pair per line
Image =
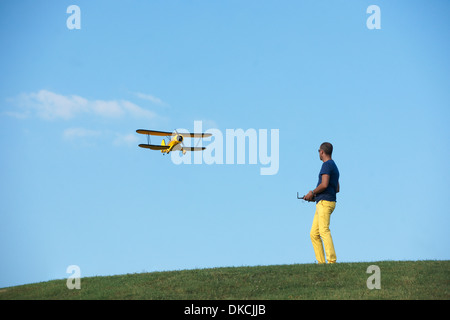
309,197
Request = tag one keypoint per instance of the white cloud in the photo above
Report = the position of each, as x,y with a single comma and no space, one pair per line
51,106
108,109
73,133
88,137
17,115
137,111
150,98
125,139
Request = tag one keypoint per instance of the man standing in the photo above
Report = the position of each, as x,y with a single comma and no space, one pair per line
325,196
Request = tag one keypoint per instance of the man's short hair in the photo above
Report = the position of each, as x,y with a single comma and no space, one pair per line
327,148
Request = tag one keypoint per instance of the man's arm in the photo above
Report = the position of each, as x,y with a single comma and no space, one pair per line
320,188
338,188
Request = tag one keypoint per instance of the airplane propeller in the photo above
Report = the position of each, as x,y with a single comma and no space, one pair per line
182,141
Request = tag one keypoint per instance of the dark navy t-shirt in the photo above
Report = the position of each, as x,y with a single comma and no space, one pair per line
330,168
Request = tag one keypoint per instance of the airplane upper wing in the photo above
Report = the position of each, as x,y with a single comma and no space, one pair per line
166,133
154,147
154,132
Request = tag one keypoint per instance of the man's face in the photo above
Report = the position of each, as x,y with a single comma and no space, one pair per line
321,154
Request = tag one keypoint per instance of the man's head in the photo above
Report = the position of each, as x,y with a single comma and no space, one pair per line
325,151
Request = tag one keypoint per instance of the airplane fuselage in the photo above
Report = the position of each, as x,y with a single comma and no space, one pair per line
174,144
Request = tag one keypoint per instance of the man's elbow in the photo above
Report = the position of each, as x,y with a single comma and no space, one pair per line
323,187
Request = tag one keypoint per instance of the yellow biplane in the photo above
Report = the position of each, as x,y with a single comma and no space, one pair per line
175,141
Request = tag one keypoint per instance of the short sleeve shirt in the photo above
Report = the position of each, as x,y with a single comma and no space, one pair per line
329,167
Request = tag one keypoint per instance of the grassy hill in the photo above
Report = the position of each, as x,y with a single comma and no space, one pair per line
399,280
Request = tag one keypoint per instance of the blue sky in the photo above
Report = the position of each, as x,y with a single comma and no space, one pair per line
75,189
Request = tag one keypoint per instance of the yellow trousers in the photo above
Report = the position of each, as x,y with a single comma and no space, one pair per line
320,232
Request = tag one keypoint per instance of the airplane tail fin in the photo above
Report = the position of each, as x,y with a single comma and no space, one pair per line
163,142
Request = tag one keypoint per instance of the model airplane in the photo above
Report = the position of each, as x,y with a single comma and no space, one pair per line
175,141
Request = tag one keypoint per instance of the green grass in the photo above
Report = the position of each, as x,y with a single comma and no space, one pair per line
403,280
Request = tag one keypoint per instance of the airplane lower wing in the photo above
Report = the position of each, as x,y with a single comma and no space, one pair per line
195,135
154,147
193,148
